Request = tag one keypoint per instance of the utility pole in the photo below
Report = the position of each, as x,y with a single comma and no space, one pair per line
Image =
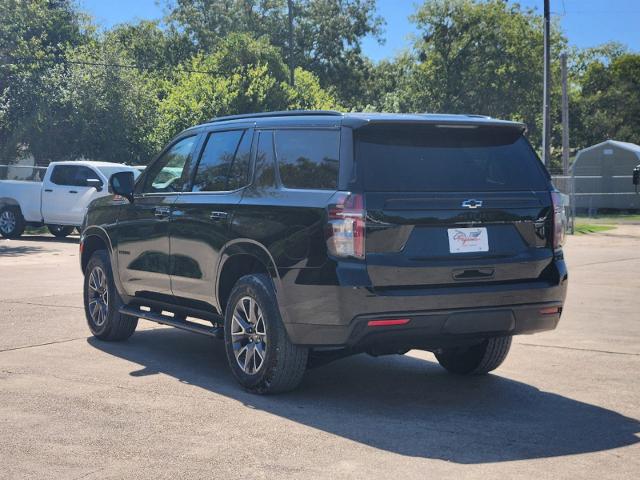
565,116
291,62
546,118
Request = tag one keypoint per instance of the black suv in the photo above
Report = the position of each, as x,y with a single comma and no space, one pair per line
301,237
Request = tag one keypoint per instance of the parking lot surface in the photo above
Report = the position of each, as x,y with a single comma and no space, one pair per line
565,404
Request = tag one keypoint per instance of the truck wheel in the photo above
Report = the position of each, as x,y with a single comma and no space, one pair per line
101,301
260,355
478,359
60,231
11,222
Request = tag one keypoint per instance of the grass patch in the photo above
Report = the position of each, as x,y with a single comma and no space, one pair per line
584,228
36,230
609,219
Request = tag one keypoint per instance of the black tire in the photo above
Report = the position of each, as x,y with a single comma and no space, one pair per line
476,360
283,365
112,325
60,231
12,222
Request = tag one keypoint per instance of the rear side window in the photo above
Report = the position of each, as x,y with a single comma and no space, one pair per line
72,175
224,163
427,158
308,158
265,174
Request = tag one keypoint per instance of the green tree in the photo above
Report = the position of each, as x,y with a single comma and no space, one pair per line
244,75
480,57
608,105
327,33
207,22
581,58
34,36
111,112
307,94
389,86
155,49
328,42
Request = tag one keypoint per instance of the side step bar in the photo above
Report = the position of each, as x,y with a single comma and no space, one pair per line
217,332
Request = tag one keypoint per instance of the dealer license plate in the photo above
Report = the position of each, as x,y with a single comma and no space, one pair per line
463,240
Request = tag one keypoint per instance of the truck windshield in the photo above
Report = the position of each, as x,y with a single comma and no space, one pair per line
108,171
431,158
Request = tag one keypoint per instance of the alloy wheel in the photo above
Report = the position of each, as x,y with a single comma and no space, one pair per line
249,335
98,296
8,221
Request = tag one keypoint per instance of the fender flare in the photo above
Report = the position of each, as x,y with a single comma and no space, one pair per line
101,233
245,246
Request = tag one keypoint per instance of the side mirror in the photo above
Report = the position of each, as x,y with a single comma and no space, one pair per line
95,183
123,184
636,176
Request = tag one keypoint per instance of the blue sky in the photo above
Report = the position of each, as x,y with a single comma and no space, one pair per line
586,22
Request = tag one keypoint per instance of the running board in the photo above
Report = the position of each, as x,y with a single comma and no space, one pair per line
217,332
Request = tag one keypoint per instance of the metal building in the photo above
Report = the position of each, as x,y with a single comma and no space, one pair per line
602,177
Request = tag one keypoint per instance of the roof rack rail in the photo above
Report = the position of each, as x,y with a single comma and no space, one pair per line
283,113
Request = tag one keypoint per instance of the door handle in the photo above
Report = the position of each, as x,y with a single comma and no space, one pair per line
218,216
72,191
162,212
48,190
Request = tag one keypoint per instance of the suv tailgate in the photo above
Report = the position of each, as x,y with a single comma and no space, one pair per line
423,184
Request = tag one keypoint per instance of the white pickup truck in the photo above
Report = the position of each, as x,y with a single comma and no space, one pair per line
59,201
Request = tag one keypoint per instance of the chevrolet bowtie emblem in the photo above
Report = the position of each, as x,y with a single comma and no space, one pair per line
472,203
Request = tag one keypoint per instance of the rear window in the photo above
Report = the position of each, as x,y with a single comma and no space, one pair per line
308,158
426,158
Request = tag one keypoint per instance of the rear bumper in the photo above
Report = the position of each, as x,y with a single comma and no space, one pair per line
429,329
322,315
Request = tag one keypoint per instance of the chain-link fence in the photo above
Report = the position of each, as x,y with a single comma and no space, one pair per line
592,195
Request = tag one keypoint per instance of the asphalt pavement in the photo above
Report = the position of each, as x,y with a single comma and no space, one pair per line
565,404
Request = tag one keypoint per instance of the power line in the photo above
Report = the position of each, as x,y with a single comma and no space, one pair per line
58,60
602,12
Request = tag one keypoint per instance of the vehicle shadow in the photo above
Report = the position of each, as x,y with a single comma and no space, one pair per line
399,404
48,238
10,250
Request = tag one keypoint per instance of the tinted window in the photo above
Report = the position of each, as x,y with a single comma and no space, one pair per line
170,173
265,161
224,162
428,158
238,174
61,175
72,175
308,158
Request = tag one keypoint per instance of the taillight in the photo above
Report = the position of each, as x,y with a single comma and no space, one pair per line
345,227
558,220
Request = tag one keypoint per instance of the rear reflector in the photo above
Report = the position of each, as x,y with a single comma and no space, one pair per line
388,322
549,311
